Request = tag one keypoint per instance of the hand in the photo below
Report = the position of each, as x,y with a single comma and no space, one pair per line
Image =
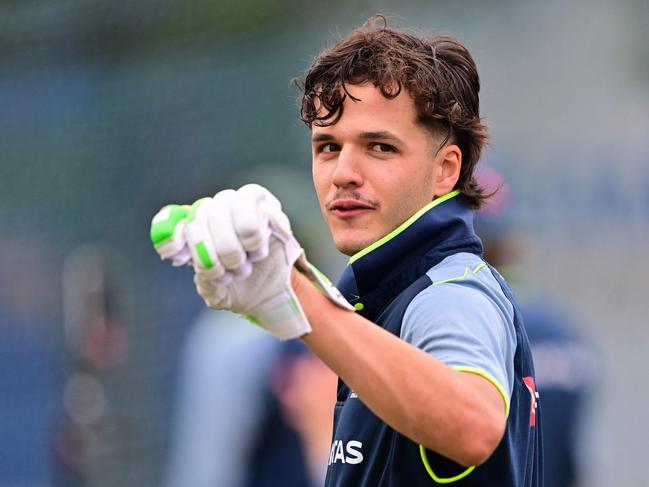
242,249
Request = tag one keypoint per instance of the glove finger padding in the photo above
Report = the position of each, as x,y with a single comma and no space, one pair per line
168,234
201,243
253,205
220,220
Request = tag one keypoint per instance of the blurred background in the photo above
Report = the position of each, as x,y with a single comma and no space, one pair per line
111,109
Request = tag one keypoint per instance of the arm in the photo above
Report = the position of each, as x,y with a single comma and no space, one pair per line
456,414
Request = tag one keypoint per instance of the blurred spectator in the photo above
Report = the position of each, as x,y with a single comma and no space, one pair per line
306,390
30,361
562,359
224,365
96,345
251,411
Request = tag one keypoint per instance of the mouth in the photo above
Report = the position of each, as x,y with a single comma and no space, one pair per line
349,208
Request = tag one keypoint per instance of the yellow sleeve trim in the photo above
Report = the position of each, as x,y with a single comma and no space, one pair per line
422,449
441,480
490,378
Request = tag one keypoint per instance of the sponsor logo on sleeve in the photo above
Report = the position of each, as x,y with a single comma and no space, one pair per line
531,387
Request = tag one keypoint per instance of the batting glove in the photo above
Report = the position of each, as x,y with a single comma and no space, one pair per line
242,249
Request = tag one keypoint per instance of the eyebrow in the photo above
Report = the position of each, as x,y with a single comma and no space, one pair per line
322,137
380,135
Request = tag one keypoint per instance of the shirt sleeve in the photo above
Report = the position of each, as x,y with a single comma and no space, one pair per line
463,327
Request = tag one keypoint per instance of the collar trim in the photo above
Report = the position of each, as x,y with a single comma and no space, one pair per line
403,226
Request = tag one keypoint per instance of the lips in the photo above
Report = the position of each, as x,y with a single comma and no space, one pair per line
349,208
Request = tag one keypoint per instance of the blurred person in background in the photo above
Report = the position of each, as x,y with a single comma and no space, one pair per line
293,442
31,360
85,437
305,389
282,435
222,365
563,360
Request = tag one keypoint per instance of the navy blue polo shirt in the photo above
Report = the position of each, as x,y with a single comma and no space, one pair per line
426,282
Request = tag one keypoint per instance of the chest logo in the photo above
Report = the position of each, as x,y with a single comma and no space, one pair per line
349,452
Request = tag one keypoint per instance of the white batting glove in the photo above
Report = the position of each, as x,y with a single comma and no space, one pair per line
242,249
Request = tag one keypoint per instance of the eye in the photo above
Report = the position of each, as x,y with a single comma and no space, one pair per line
328,148
383,148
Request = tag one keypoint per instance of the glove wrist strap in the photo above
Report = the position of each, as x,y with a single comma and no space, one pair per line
322,282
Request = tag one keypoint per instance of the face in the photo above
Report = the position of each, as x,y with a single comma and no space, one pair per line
376,167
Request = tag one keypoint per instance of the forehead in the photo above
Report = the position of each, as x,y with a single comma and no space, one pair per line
371,111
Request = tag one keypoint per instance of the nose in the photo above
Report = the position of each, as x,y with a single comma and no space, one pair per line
347,172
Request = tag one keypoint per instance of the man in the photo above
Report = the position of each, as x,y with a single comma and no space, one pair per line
442,390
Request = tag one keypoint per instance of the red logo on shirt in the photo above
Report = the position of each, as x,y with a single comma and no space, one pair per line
531,387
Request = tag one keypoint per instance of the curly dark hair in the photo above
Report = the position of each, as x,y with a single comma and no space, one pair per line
438,72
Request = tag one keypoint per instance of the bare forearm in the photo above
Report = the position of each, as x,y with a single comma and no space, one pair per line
415,394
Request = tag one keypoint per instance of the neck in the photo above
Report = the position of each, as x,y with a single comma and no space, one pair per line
388,266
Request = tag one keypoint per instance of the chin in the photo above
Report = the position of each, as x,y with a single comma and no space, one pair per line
348,250
350,246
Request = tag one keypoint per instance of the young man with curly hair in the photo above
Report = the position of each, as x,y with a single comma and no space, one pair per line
436,376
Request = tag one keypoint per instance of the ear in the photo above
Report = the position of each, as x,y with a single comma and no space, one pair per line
449,163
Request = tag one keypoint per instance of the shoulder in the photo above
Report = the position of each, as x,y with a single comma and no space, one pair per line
463,294
463,279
